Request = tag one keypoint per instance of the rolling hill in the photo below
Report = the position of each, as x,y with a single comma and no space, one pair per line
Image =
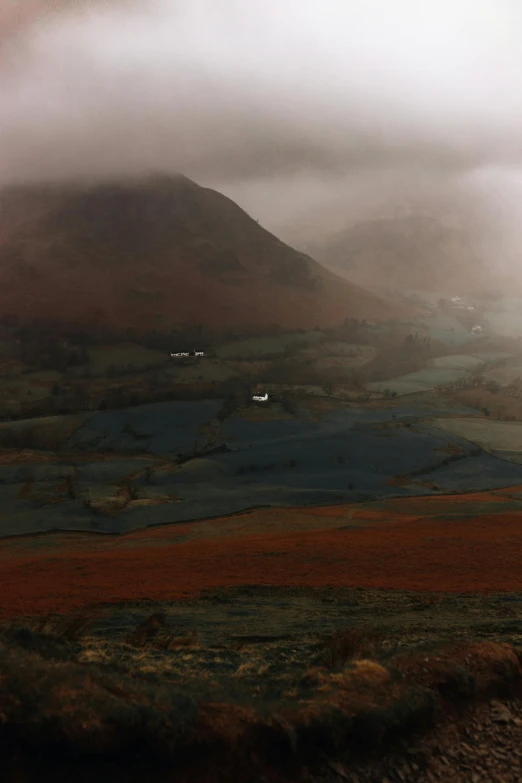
159,252
415,251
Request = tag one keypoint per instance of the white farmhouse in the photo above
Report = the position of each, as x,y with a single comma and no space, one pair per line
183,354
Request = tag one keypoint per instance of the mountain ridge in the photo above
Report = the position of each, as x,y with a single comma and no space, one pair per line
161,251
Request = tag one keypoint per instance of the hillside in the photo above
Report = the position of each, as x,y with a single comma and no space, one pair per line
416,251
158,252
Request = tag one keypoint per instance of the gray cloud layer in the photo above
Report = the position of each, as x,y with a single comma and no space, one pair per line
284,104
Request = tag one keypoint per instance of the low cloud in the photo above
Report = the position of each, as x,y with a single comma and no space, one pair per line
287,105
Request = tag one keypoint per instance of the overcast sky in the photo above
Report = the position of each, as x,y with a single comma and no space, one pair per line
292,107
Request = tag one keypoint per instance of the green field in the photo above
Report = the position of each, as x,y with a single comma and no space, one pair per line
456,362
505,374
202,370
256,347
102,357
27,387
491,435
423,380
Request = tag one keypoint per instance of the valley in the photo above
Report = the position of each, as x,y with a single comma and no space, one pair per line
260,392
309,523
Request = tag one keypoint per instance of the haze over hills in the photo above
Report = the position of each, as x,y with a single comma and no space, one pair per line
412,251
160,251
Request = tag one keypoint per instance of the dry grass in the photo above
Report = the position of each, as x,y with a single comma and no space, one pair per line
426,601
462,670
148,629
154,632
371,672
363,672
401,480
249,668
70,628
92,710
499,404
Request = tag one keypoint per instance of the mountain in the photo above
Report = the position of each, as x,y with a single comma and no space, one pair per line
413,251
159,252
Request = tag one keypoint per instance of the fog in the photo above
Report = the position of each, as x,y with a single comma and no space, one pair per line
307,112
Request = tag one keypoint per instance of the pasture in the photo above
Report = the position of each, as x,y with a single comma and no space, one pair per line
123,470
124,354
257,347
491,435
423,380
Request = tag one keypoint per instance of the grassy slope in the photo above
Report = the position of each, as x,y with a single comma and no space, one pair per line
158,252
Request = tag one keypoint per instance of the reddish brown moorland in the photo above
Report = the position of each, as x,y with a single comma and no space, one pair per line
394,547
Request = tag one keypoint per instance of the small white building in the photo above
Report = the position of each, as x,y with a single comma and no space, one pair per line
185,354
260,397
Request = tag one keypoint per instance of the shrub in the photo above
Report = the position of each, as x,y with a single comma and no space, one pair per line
371,672
132,489
347,644
146,630
70,628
